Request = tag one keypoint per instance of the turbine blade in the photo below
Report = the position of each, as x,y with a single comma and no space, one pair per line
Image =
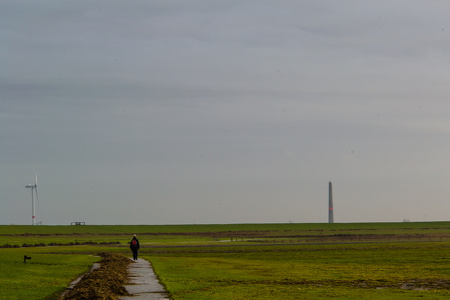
35,177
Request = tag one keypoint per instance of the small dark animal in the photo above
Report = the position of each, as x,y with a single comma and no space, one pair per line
25,258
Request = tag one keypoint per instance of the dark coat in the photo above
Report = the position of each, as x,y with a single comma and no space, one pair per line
137,244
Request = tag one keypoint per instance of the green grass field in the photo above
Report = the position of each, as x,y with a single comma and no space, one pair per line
46,274
356,271
242,261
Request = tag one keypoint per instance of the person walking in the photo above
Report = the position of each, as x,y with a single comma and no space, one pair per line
134,246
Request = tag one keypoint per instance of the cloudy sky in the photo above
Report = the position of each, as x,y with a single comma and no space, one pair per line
182,112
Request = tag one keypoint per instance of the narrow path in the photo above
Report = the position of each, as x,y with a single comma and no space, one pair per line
144,283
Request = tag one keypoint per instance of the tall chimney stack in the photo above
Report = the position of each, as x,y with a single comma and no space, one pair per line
330,203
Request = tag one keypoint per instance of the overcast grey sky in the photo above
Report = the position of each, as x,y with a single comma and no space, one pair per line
181,112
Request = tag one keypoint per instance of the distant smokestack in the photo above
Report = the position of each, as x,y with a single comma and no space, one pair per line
330,203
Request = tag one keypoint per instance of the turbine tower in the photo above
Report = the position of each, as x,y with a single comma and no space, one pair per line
330,203
34,191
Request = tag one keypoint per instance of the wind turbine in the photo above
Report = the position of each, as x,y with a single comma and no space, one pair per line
34,190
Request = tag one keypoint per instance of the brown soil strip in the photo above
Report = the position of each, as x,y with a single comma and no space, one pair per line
107,282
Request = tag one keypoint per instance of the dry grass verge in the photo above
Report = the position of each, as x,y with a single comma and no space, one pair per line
106,282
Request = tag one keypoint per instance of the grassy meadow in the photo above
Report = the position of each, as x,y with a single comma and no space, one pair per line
241,261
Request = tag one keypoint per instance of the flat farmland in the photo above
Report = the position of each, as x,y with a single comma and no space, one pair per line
241,261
